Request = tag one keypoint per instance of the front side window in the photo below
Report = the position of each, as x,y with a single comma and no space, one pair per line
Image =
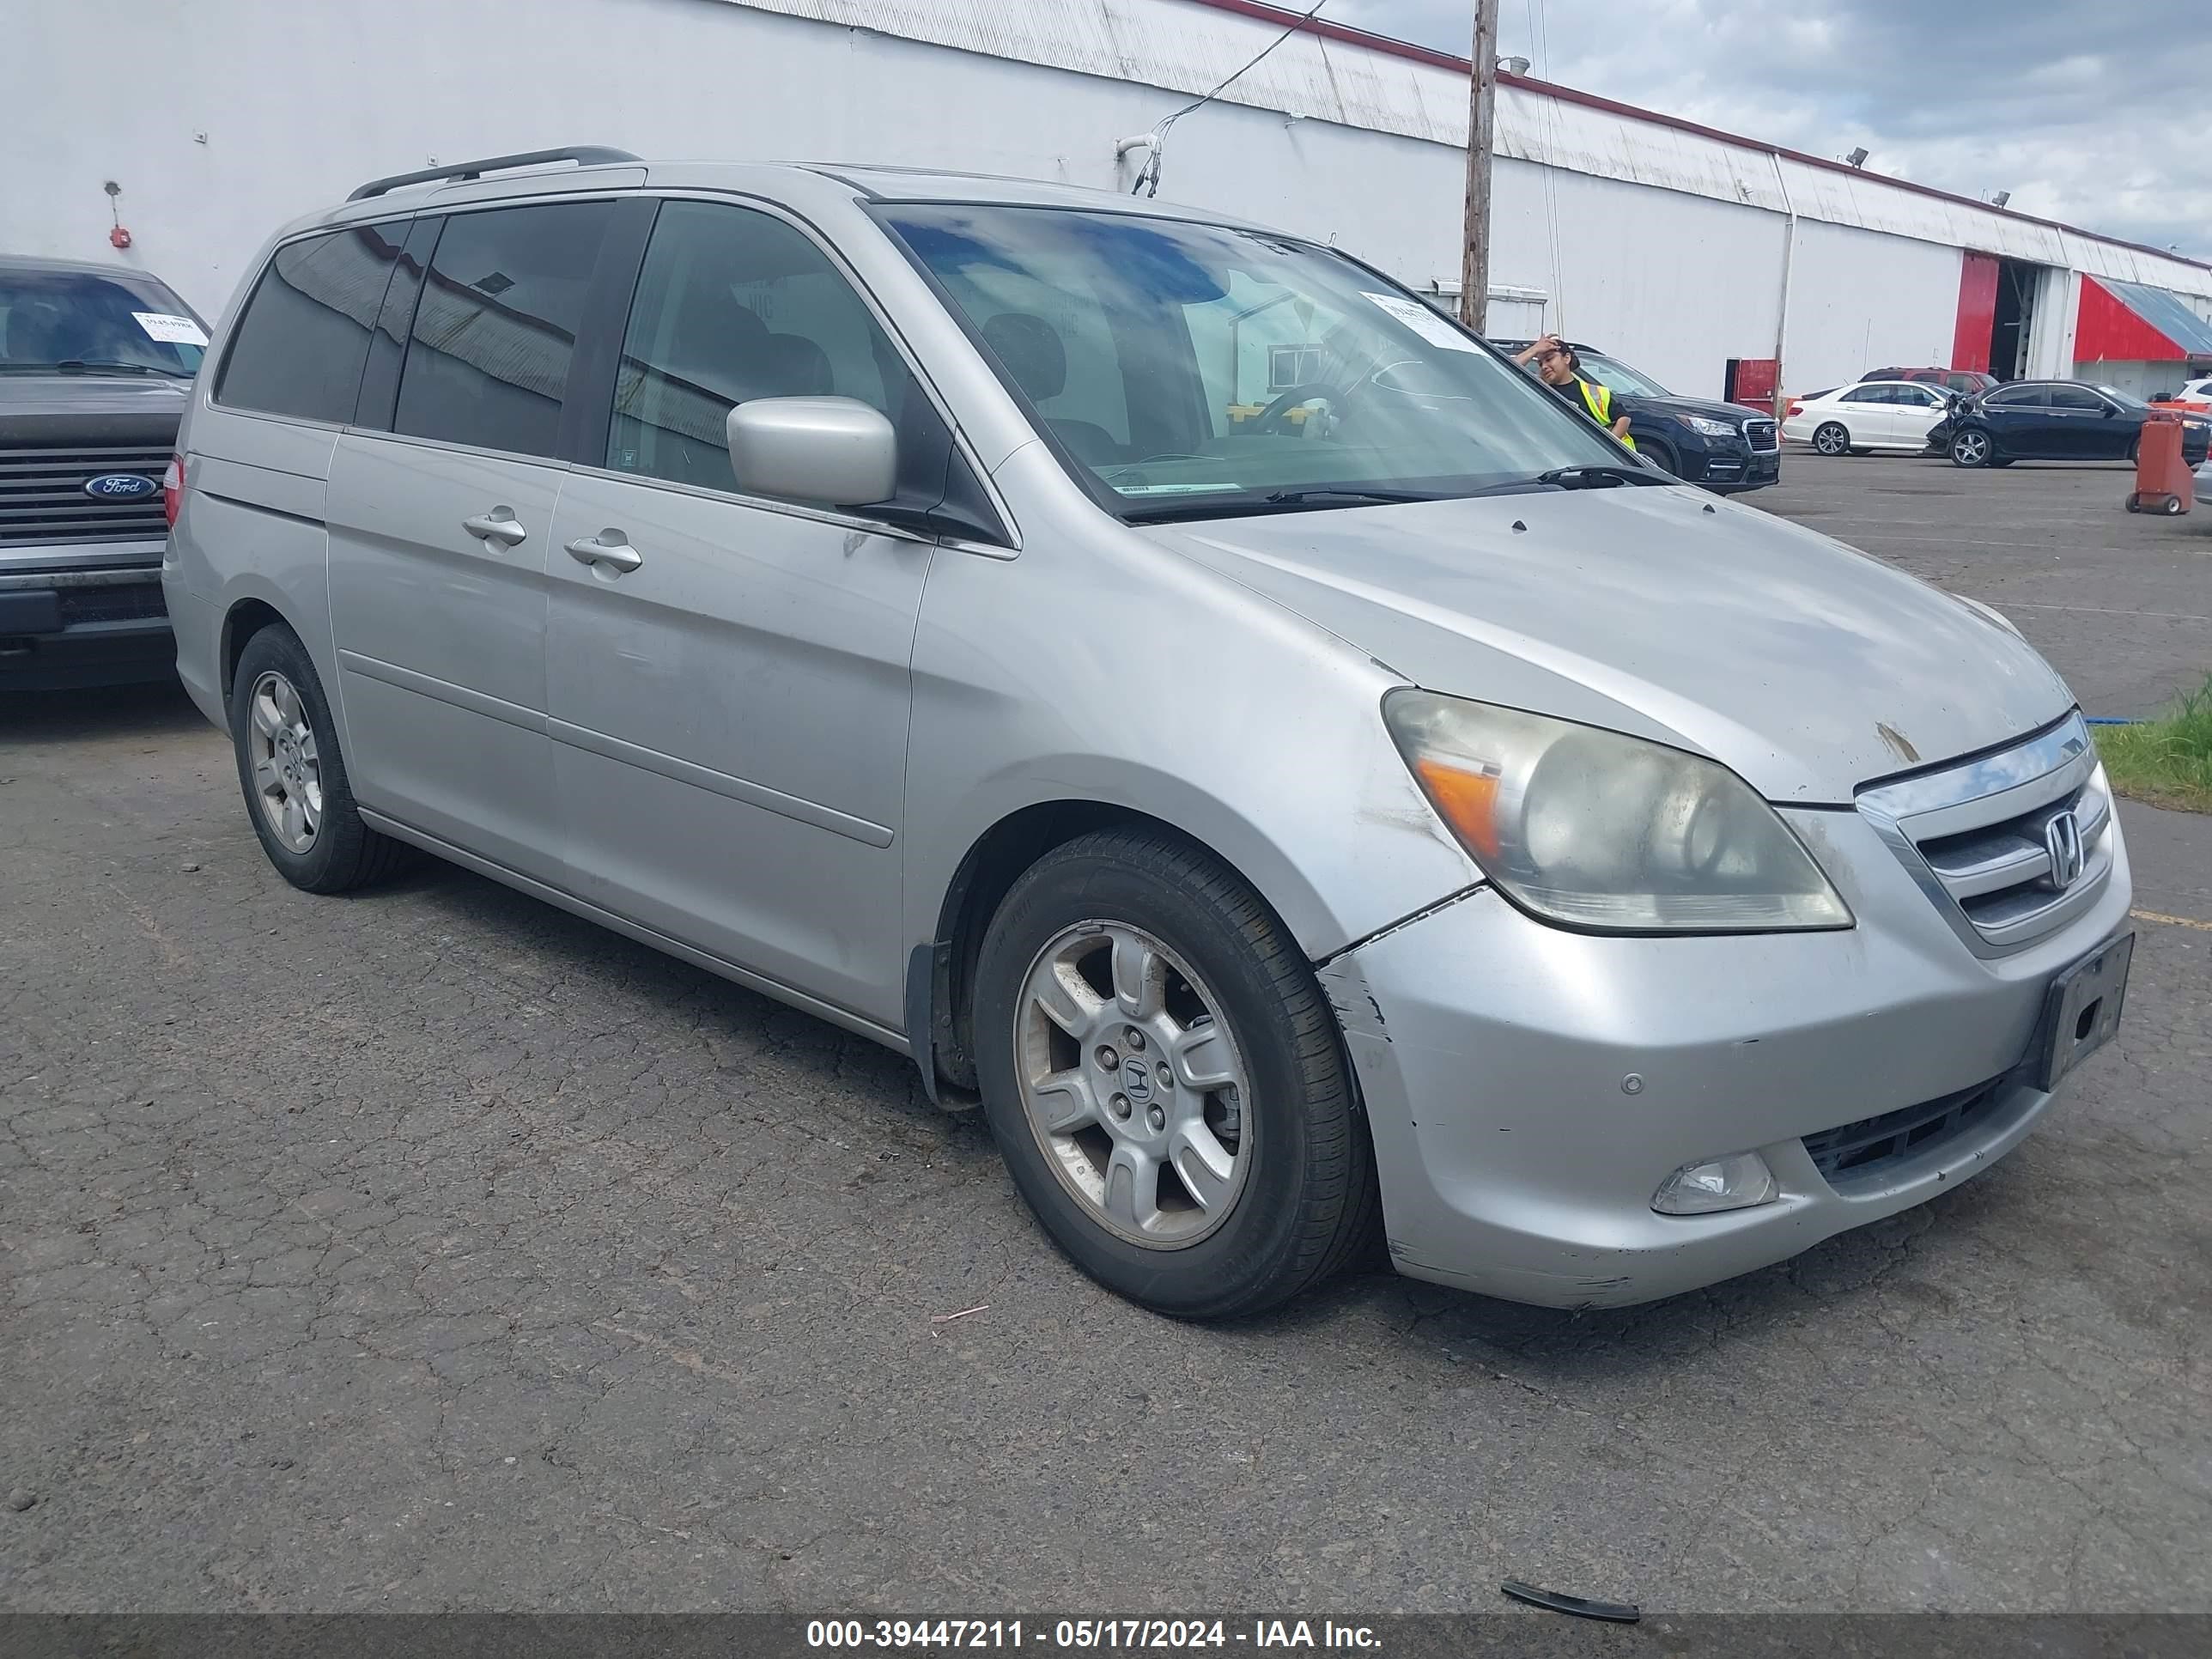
89,322
299,344
1152,351
2018,397
733,304
495,327
1618,376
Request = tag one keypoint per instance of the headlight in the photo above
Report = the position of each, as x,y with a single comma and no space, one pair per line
1711,429
1604,832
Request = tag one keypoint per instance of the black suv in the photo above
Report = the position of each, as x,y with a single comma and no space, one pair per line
2053,421
96,365
1724,446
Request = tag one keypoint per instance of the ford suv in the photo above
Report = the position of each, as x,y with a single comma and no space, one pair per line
96,364
1398,808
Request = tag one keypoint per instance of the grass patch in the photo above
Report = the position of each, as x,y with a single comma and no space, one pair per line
2167,761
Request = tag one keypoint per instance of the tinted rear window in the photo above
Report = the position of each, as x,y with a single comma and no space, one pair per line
300,342
487,357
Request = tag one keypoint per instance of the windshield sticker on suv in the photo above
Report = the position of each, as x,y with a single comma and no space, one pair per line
172,331
1424,322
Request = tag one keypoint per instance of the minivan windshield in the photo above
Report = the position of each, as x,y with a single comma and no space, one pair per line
86,322
1192,370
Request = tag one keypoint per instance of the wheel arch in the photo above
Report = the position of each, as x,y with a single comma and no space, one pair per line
246,615
940,971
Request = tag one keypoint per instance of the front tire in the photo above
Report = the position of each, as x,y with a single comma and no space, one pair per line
1166,1081
1832,438
1970,449
292,773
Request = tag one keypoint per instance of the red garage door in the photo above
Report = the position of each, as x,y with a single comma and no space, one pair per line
1977,312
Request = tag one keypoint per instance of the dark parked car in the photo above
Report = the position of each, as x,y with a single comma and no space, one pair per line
96,364
1965,381
2051,420
1724,446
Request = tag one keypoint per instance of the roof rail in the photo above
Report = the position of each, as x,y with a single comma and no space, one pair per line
583,155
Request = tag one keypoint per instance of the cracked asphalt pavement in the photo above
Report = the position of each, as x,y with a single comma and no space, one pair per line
433,1249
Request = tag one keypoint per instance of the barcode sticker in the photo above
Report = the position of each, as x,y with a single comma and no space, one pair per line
172,330
1424,322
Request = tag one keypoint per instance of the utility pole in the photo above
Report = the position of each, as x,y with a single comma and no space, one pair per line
1474,265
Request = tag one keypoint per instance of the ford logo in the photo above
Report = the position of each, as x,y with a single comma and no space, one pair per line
119,487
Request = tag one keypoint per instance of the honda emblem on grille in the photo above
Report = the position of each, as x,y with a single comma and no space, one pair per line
2062,839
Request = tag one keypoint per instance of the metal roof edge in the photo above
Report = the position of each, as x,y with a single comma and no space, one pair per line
1345,34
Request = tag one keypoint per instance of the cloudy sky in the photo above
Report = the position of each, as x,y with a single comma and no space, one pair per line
2096,113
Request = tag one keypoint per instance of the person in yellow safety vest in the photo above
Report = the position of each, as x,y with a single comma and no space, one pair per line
1561,370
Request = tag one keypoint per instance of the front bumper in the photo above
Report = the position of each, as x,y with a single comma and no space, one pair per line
1729,468
105,625
1517,1158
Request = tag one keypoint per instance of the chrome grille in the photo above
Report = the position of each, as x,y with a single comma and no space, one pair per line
42,495
1977,836
1763,436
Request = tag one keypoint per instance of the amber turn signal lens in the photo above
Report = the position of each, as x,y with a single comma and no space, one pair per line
1468,801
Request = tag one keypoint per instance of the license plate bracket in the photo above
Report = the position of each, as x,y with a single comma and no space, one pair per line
2081,1010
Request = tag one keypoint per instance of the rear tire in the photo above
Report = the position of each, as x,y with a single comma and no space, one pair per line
1832,438
293,775
1134,929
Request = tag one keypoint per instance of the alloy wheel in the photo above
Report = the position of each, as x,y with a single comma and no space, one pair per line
1133,1084
287,768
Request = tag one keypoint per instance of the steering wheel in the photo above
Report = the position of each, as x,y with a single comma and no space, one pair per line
1270,418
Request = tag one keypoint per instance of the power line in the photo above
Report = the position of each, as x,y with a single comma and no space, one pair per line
1148,177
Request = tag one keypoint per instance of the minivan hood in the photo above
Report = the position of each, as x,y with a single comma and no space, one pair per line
1807,668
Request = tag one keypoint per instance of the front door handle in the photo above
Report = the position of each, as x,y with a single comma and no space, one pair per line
499,525
610,548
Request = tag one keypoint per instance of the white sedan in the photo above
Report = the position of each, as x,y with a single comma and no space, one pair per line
1870,414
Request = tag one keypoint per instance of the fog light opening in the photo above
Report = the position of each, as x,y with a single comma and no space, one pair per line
1738,1181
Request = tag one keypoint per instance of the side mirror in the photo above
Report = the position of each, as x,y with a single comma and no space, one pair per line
833,450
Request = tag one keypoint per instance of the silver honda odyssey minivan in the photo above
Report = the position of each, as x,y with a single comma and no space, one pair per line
1196,701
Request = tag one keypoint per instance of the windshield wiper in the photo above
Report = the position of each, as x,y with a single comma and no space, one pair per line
87,365
1601,476
1301,497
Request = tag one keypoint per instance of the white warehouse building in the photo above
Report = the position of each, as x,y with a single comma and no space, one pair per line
1717,255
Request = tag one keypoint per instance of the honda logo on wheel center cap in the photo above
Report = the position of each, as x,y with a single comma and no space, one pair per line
2062,839
1137,1080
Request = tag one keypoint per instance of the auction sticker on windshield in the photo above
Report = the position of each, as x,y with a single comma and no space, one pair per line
175,331
1422,321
